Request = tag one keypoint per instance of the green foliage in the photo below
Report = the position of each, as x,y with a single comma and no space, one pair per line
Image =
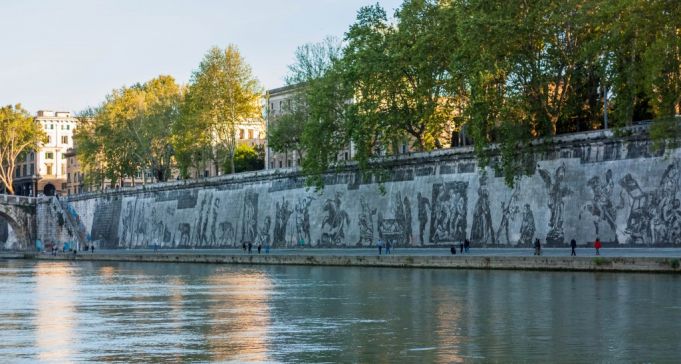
247,158
130,132
19,134
222,94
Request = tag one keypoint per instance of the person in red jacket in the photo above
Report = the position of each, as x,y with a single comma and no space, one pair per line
598,245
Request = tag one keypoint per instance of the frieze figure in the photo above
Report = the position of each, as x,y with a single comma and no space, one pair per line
333,224
482,230
366,223
423,207
557,190
527,227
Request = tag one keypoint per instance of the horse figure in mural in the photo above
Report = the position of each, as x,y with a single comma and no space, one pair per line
333,224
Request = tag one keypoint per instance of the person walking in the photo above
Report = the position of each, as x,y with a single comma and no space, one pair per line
466,245
243,246
259,247
92,249
250,247
598,246
537,247
461,245
573,245
380,246
453,249
388,245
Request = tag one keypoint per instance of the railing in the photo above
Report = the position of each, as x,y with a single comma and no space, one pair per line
17,200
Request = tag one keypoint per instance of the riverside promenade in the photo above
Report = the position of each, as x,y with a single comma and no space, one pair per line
659,260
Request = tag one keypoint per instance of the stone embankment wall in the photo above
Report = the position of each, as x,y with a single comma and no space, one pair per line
579,186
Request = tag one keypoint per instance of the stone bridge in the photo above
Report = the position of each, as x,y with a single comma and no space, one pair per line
20,214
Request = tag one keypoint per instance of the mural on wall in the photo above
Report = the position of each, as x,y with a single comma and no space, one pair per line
601,207
628,201
482,230
302,219
557,190
654,216
366,223
282,214
423,207
448,212
509,210
527,228
334,222
249,218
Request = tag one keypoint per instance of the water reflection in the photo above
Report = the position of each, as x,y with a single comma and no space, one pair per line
239,316
129,312
55,318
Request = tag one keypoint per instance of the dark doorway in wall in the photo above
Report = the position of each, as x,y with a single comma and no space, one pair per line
49,190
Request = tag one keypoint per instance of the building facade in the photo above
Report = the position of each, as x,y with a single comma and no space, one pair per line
43,171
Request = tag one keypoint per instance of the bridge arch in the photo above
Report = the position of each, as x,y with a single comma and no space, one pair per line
19,212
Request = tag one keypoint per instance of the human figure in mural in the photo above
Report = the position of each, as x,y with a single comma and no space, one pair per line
407,224
200,227
303,218
527,227
212,225
366,223
282,214
557,192
508,213
264,235
400,216
249,218
126,236
333,224
226,233
185,230
141,224
601,206
482,230
448,212
653,215
423,206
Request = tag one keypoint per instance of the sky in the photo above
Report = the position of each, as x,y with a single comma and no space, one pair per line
69,54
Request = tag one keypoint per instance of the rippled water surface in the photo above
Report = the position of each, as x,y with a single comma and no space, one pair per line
88,311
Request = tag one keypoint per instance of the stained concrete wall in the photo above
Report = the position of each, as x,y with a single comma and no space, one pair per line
579,186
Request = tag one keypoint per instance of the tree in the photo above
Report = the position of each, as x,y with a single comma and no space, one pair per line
130,132
223,92
247,158
19,134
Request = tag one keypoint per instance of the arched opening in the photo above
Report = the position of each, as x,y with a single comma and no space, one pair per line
14,236
49,190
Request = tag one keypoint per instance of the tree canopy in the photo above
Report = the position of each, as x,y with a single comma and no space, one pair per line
19,134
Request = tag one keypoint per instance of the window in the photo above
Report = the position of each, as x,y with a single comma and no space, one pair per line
18,172
288,163
346,156
48,167
32,169
68,177
49,140
250,133
280,164
241,133
63,169
68,126
65,139
32,156
51,126
25,172
49,155
205,173
271,106
271,164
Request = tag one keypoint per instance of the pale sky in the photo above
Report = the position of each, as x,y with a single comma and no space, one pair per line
68,54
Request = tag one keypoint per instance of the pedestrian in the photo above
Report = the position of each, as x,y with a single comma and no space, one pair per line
537,247
380,246
259,247
243,246
466,245
301,242
388,245
461,248
598,246
453,249
155,248
250,247
573,245
92,249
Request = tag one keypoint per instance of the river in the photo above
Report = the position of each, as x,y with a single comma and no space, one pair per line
90,311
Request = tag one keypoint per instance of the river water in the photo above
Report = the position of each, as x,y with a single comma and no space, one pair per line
131,312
